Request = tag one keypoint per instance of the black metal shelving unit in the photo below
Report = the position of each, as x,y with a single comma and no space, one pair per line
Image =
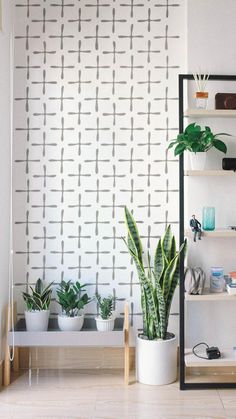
182,369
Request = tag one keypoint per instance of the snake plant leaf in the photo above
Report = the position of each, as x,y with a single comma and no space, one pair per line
175,278
173,248
159,261
167,280
39,286
166,243
148,290
133,232
145,312
149,266
162,309
131,245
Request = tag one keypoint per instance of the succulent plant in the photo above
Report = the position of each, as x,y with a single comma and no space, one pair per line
40,297
71,297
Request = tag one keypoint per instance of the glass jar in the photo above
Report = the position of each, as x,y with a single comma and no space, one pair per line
208,218
201,100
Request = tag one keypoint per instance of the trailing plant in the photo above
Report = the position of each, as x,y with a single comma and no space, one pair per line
196,140
105,306
40,297
158,283
71,297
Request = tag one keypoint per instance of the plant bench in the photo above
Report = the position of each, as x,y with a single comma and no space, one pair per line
53,337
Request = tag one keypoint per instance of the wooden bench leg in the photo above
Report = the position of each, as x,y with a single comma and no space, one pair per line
7,361
126,343
7,368
16,363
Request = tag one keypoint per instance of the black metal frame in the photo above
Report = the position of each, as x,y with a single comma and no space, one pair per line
183,384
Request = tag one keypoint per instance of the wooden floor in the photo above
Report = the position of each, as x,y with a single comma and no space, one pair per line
95,394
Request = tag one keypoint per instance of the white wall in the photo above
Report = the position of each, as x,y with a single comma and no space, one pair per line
211,34
162,188
4,159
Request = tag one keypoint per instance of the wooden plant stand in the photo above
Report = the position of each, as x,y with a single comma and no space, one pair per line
53,337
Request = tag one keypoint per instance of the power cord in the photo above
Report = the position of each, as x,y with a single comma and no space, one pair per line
212,352
199,344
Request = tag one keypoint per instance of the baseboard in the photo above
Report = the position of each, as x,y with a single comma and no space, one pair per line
75,358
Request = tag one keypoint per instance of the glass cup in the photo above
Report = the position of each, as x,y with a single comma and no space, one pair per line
201,100
208,218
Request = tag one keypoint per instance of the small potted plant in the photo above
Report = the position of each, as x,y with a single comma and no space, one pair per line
106,320
72,299
197,141
37,306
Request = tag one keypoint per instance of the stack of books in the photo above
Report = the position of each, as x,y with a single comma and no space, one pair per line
231,288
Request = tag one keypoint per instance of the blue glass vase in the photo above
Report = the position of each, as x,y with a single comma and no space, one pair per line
208,218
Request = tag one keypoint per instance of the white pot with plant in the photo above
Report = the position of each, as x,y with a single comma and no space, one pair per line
197,142
156,358
37,307
105,322
72,299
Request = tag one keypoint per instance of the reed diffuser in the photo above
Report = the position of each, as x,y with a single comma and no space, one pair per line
201,94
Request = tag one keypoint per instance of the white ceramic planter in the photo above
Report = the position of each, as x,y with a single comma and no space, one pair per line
156,361
198,160
70,324
105,325
37,321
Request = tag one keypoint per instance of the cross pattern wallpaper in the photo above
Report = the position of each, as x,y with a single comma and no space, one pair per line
95,104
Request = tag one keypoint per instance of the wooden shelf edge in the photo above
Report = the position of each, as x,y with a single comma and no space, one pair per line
218,233
207,296
228,359
207,113
209,173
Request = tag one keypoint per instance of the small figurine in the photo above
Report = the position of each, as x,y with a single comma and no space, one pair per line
196,228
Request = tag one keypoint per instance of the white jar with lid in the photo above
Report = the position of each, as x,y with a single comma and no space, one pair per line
217,282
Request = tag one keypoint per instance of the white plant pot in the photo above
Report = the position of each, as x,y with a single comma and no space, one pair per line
156,361
105,325
198,160
37,321
70,324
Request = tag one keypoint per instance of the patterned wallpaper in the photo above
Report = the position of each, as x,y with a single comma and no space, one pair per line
95,104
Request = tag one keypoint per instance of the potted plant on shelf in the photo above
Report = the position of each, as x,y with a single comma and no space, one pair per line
72,299
106,320
37,306
197,141
156,347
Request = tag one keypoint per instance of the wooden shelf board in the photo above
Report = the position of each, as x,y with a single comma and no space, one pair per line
207,296
210,113
228,358
220,233
209,173
88,336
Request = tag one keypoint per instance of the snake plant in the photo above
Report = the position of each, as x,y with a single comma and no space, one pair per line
40,297
158,283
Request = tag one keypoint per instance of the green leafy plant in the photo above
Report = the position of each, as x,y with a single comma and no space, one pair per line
105,306
71,297
196,140
158,284
40,297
